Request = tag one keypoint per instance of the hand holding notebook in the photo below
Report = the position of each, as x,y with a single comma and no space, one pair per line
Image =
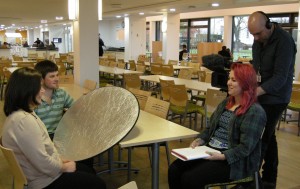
198,152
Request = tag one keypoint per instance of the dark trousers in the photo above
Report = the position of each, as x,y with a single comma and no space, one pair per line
196,174
82,178
269,149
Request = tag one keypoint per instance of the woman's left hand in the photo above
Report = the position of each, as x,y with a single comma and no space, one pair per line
215,156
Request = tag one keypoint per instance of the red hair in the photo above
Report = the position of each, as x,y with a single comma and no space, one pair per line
245,75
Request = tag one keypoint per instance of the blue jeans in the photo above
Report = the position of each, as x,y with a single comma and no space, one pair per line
269,150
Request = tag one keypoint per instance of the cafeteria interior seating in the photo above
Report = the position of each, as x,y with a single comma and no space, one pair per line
195,68
113,64
132,65
5,78
173,62
294,105
121,65
17,58
165,88
213,99
141,96
132,81
156,69
201,95
141,68
26,64
19,180
180,105
185,74
167,70
90,84
66,79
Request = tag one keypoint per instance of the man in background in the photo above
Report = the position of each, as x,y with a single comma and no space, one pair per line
184,50
273,53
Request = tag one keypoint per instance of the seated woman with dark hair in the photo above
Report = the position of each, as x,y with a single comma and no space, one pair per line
26,135
235,129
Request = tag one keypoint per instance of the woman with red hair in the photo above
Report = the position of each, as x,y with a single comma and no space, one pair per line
235,130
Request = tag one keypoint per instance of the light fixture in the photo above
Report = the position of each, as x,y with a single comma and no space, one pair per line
118,16
59,18
215,4
72,9
13,35
99,9
172,10
43,21
141,13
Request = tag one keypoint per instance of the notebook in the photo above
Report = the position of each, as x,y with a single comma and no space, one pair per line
198,152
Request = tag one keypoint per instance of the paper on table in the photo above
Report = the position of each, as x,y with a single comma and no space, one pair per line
187,154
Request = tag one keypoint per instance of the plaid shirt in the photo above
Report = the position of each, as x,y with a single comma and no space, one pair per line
244,144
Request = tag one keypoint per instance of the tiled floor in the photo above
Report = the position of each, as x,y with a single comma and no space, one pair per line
289,167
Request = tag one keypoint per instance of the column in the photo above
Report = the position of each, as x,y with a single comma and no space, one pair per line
86,44
135,37
171,37
227,31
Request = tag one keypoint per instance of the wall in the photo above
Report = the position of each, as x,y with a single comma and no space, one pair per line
109,32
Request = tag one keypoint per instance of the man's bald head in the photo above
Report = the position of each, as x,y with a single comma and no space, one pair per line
257,27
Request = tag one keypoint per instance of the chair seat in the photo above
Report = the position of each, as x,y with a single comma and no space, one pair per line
191,108
294,106
244,180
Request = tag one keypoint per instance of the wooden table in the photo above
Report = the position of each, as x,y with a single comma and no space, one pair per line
189,84
151,129
146,132
117,71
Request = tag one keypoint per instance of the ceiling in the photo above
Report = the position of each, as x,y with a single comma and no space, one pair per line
29,13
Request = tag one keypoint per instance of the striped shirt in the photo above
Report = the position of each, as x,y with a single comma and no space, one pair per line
52,113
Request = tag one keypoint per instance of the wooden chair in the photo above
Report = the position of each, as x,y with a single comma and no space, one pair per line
140,62
32,56
121,65
167,70
294,105
17,58
113,64
181,106
90,84
141,96
165,89
132,65
66,79
132,81
130,185
6,76
19,179
62,70
200,96
26,64
185,74
141,68
195,68
213,99
156,69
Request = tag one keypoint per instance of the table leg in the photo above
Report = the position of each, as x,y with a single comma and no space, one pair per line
155,165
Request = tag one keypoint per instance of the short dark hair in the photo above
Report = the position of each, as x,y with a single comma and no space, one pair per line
23,86
45,67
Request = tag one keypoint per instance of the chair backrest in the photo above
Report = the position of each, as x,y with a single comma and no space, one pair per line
132,81
208,76
178,95
157,107
130,185
140,62
90,84
121,60
132,65
167,70
140,68
61,68
32,56
201,75
19,178
173,62
165,88
17,58
295,97
121,65
156,69
113,64
185,74
26,64
141,96
184,63
213,98
185,56
66,79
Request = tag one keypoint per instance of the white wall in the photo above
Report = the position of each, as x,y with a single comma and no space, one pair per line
108,30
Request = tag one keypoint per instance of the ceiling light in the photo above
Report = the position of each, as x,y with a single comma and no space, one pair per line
13,35
59,18
118,16
215,4
100,9
172,10
125,15
141,13
43,21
